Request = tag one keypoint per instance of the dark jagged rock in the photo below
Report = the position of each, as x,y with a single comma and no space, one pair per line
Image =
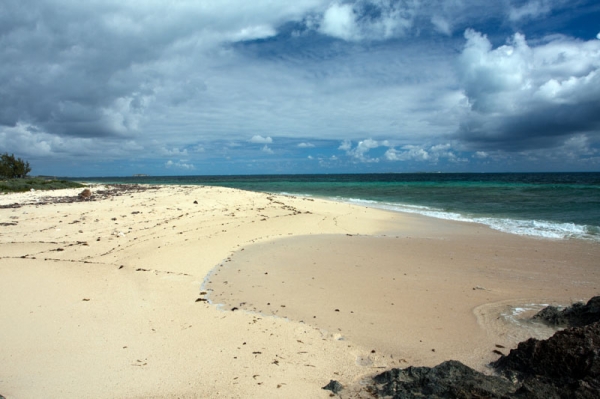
333,386
577,315
567,365
568,362
451,379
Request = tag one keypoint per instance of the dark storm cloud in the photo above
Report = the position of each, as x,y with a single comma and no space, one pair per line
542,128
90,69
120,79
522,97
68,71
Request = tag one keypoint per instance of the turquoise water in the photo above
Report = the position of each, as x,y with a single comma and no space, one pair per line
553,205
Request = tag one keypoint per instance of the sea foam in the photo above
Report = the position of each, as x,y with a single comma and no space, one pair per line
535,228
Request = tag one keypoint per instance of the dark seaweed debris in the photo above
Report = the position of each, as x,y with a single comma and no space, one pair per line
111,191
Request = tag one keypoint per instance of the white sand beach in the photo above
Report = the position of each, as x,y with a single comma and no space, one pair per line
112,297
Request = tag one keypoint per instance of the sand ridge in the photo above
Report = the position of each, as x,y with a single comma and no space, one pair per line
106,297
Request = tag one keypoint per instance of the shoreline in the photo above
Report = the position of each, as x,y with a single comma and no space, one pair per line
547,224
108,293
351,286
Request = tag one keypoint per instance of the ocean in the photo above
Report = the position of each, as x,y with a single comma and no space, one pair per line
551,205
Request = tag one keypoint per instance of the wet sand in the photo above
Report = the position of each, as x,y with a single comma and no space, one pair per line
108,297
435,295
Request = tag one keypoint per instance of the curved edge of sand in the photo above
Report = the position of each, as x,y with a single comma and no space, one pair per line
107,293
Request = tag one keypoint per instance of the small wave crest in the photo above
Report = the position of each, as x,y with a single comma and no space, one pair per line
536,228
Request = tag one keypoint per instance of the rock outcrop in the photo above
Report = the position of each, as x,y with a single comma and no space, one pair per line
451,379
566,365
577,315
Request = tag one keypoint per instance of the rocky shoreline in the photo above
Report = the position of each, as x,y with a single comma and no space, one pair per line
567,365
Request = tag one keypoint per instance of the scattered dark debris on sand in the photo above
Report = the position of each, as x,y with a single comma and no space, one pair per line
566,365
112,190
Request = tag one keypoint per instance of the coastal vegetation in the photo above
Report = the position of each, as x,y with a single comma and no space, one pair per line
36,183
13,168
14,177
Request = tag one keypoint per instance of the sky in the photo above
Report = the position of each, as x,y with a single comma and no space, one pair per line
220,87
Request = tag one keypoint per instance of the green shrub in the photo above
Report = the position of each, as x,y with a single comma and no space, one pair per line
19,185
13,168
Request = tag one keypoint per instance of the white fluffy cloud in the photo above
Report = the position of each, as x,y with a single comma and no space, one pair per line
179,165
521,96
362,148
408,153
267,149
368,19
261,140
338,21
431,154
531,9
345,145
441,24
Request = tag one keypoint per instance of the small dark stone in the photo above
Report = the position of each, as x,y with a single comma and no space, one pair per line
195,202
333,386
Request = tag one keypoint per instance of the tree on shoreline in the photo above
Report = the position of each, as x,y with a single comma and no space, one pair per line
13,168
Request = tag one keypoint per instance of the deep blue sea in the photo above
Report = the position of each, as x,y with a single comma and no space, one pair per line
553,205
